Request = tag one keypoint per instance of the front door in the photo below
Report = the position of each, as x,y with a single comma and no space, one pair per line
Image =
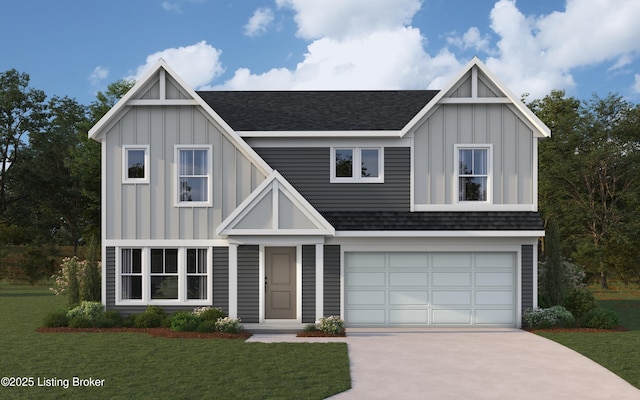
280,283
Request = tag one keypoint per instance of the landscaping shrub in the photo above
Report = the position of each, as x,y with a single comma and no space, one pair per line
184,321
152,317
109,319
209,313
599,319
206,326
88,309
580,301
332,325
80,321
79,280
56,319
310,328
228,325
543,318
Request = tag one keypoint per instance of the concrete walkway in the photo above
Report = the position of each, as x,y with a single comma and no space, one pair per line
468,364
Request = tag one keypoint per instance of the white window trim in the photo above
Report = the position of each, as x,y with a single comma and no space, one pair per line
176,171
357,161
456,173
125,159
146,278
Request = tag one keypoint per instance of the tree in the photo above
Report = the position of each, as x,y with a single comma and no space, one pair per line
554,282
21,113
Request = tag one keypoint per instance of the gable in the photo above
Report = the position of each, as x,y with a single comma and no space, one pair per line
275,208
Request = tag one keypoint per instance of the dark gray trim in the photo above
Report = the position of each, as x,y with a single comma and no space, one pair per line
110,272
248,289
527,277
331,280
308,283
308,170
221,278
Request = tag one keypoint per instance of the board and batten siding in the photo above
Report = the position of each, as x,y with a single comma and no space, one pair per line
308,170
496,124
248,284
148,210
331,296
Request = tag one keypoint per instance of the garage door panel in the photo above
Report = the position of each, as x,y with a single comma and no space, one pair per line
408,279
452,260
499,279
408,317
495,260
366,316
441,279
365,260
495,317
361,279
494,298
408,260
366,297
452,317
409,298
448,298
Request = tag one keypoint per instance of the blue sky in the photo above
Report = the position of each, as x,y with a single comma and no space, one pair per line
76,48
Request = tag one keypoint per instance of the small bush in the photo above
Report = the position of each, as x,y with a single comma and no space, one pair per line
184,321
311,328
129,321
80,321
56,319
209,313
543,318
600,319
153,317
228,325
206,326
88,309
580,302
109,319
332,325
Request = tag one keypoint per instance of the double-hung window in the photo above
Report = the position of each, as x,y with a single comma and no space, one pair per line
194,175
473,173
196,273
357,164
131,274
164,274
135,164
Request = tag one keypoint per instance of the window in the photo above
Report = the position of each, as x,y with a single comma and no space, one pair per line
131,274
135,164
369,160
167,276
473,169
194,175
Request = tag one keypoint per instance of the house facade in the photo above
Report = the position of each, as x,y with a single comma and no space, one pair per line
387,208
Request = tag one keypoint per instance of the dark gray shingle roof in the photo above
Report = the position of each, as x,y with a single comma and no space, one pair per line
434,221
317,110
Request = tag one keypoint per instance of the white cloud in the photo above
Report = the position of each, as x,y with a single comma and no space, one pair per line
471,39
636,84
176,5
259,22
197,64
98,75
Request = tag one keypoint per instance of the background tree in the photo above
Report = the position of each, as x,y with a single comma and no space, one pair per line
553,285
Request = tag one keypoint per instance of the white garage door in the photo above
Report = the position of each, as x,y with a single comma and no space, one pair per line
434,289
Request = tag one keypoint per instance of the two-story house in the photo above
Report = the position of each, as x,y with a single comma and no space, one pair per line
387,208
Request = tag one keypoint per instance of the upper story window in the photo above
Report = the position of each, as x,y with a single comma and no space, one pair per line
194,175
357,164
474,172
135,164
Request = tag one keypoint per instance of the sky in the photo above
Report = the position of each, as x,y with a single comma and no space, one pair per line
76,48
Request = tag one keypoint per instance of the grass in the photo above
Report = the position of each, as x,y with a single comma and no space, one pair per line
619,352
140,366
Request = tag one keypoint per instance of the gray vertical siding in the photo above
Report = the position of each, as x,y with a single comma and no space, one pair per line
308,284
248,289
110,273
527,277
331,280
221,278
308,170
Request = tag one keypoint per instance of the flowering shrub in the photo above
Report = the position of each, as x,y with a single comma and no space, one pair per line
332,325
209,313
548,317
228,325
88,309
80,280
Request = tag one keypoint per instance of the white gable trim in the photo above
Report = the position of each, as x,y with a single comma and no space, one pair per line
540,129
162,68
273,186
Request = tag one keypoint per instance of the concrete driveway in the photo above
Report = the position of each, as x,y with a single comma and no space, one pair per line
470,364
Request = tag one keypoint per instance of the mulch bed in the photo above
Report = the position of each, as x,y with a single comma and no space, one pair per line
157,332
580,330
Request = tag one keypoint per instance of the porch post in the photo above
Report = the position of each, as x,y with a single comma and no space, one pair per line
233,280
319,281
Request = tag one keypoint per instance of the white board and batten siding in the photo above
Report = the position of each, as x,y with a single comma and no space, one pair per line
430,289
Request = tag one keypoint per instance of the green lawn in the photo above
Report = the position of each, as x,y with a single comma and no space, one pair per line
617,351
136,365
